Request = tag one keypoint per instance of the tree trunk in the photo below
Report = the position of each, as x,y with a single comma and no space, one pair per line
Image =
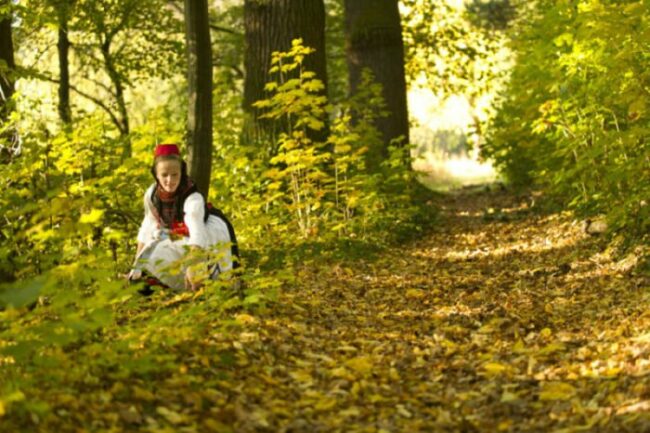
9,140
374,41
7,57
270,26
199,78
63,47
116,79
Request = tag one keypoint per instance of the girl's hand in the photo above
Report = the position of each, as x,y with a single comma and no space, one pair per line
135,274
191,282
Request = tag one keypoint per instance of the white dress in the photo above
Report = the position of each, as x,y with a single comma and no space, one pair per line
160,252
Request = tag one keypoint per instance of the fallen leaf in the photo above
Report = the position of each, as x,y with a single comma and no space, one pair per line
360,364
415,293
556,391
171,416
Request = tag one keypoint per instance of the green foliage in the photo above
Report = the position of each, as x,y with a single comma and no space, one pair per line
297,172
457,49
72,202
131,31
575,117
321,190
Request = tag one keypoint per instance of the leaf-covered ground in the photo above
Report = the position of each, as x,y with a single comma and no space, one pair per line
500,319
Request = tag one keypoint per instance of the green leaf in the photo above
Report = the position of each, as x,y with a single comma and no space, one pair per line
22,293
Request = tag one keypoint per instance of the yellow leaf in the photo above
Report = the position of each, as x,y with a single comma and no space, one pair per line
346,348
403,411
325,404
552,348
495,368
350,412
92,217
612,371
2,409
268,379
519,347
361,364
556,391
415,294
143,394
170,415
508,397
302,376
545,333
341,372
245,318
505,425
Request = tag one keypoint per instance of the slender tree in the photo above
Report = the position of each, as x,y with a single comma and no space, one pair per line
270,26
124,41
8,138
107,23
374,41
7,64
63,47
199,59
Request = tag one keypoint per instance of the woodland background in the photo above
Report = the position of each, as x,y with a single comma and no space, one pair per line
294,120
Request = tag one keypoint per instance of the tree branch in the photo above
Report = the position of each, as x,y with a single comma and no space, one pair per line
238,72
214,27
225,30
41,76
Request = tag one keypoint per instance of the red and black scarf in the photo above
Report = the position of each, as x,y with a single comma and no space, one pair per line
169,206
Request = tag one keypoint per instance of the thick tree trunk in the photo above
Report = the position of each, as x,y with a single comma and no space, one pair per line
270,26
199,59
7,57
374,41
63,47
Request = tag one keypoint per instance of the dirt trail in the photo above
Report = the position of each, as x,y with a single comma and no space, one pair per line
501,319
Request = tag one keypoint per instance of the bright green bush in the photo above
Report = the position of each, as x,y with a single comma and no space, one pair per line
575,117
320,191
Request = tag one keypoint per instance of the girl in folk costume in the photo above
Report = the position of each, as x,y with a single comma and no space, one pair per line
177,221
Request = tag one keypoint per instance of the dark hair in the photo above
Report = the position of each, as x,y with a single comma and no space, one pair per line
184,176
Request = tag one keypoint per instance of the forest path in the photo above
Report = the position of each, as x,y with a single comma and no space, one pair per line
501,319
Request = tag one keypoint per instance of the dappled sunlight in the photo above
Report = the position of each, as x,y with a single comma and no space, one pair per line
365,302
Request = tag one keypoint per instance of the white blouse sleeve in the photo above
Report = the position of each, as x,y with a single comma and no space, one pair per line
149,226
194,209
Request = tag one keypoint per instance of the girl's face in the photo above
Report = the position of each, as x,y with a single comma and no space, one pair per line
168,174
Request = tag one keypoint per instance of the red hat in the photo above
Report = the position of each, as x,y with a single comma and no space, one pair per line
166,149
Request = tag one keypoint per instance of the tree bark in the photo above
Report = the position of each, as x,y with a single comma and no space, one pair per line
118,85
7,57
9,140
63,47
374,41
270,26
199,77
